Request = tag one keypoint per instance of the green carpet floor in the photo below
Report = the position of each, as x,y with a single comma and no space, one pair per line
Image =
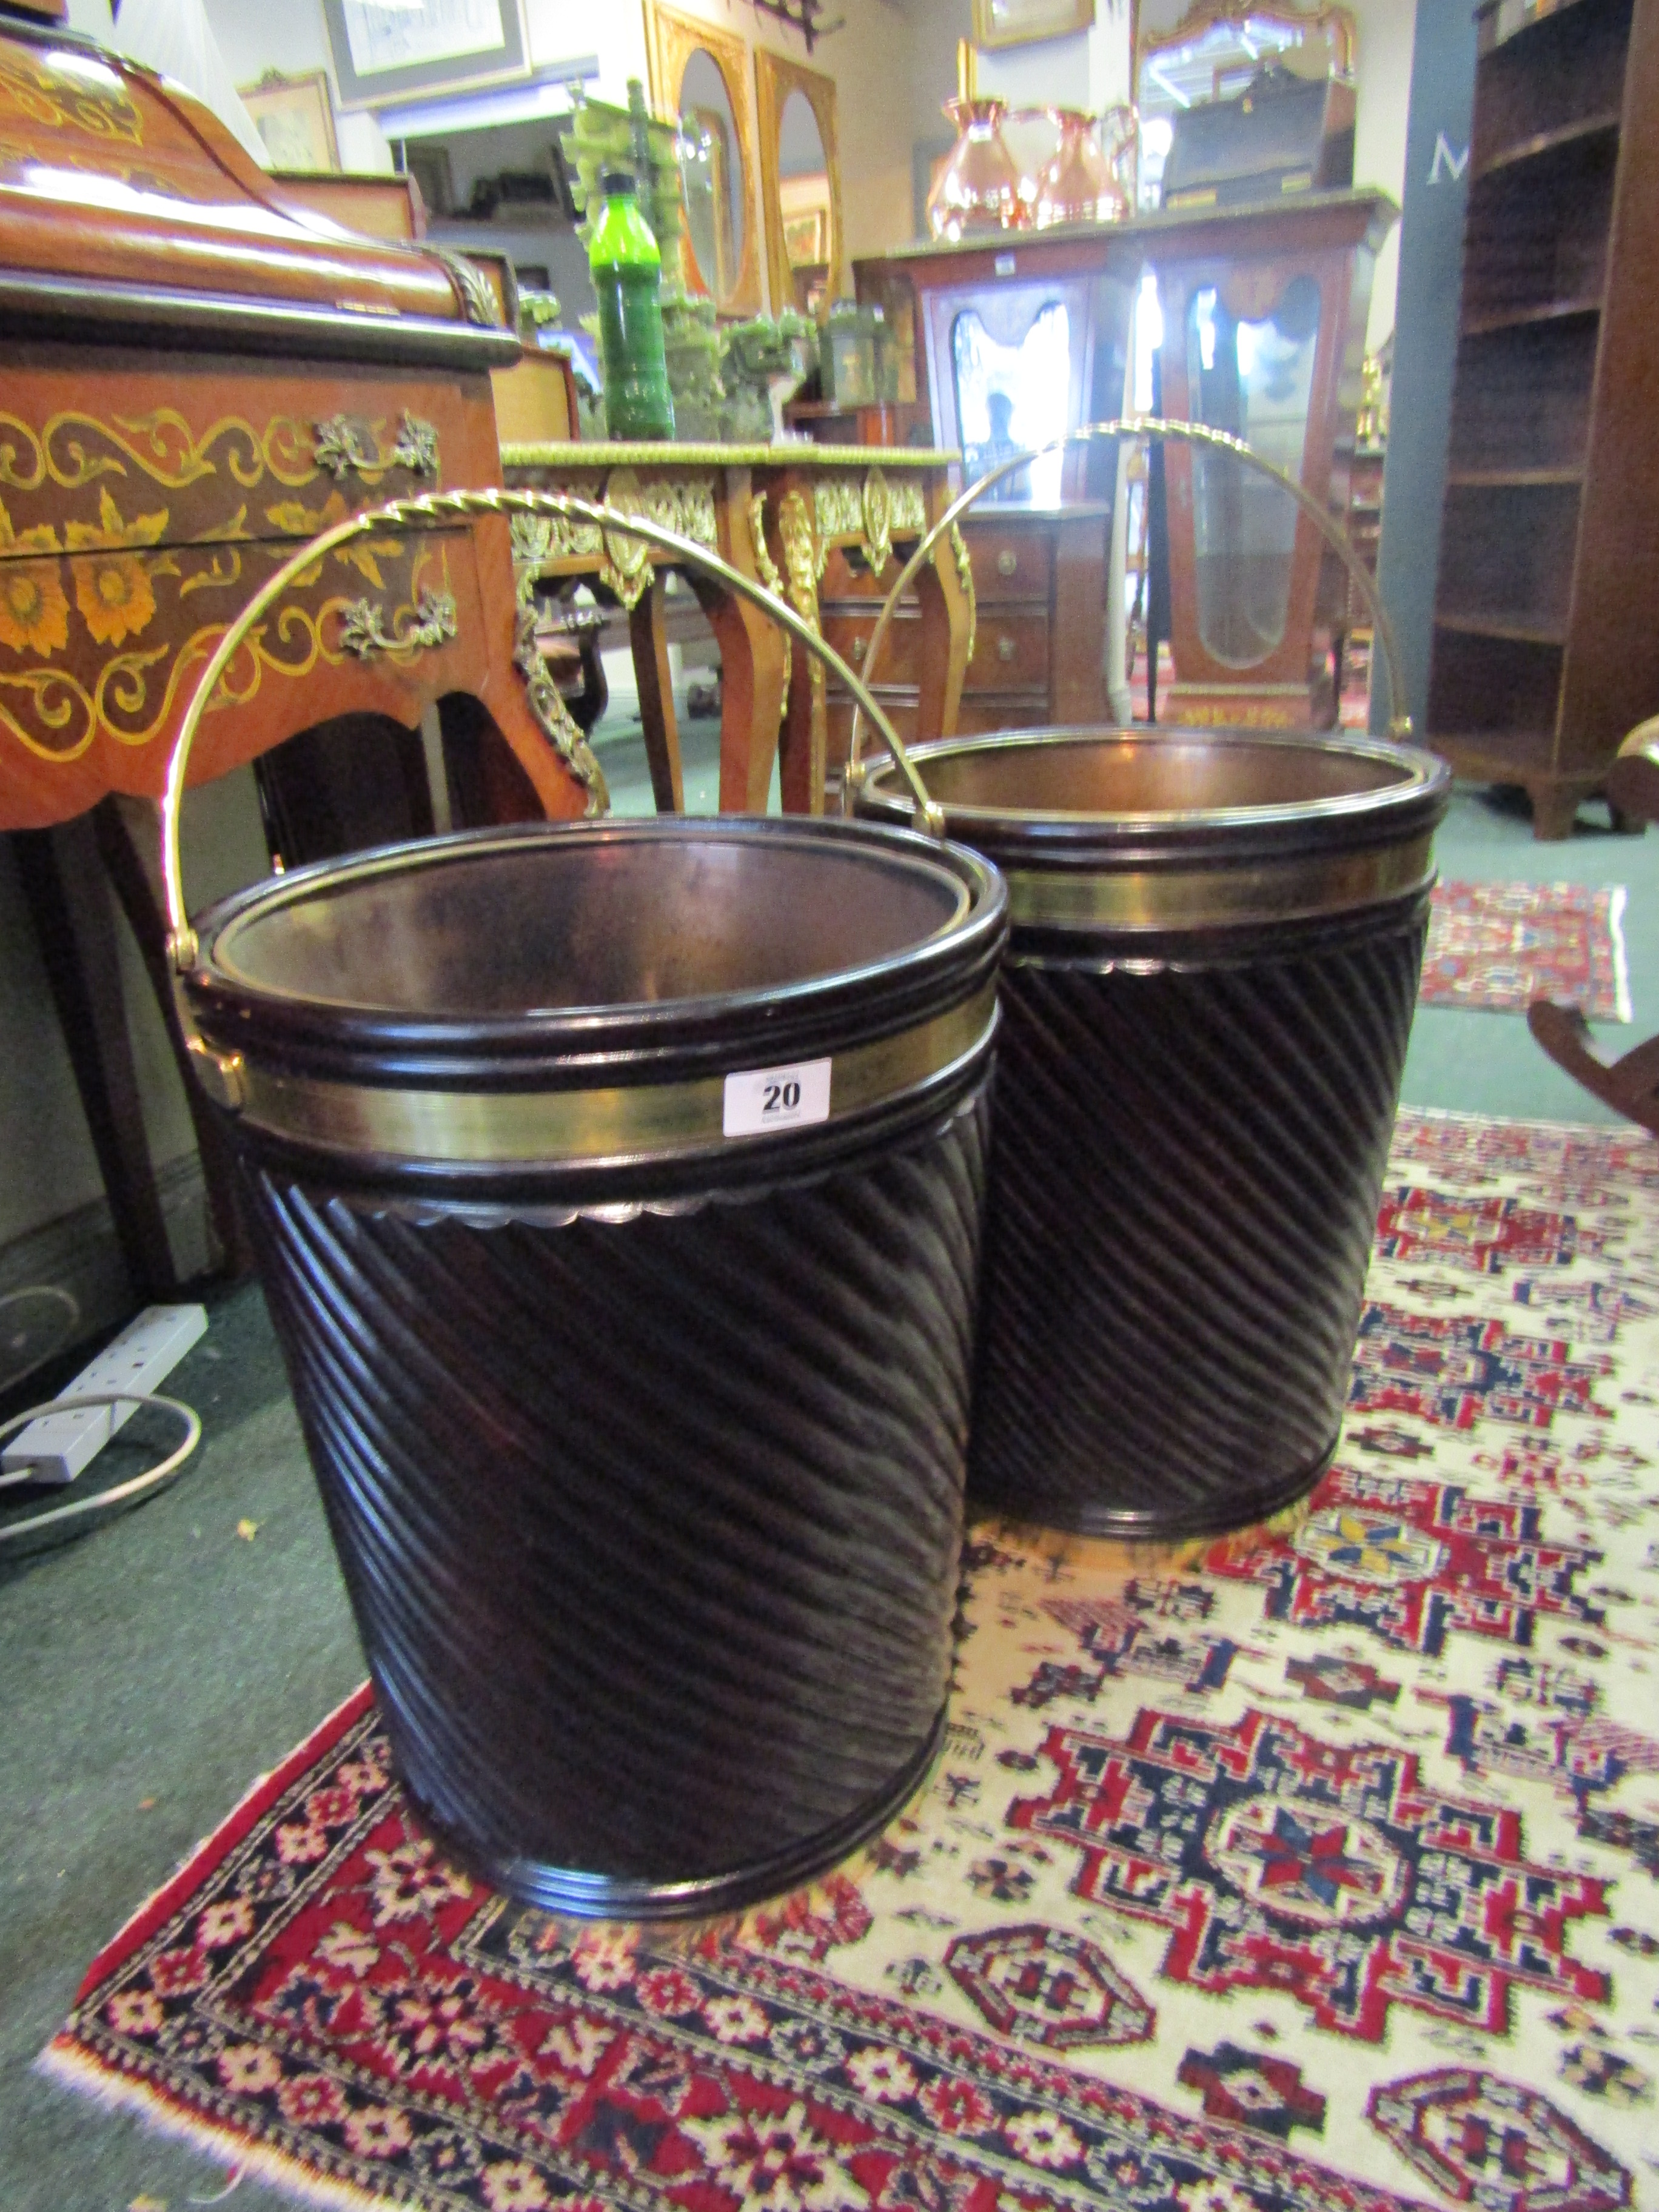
150,1672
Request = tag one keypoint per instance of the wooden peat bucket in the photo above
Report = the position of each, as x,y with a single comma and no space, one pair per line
617,1191
1209,986
1211,978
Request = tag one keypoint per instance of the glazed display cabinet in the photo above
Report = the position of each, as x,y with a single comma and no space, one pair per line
1021,337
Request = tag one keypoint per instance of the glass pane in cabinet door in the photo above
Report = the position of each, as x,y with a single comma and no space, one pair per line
1012,397
1255,379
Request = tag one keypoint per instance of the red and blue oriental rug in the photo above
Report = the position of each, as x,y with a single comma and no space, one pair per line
1500,945
1321,1875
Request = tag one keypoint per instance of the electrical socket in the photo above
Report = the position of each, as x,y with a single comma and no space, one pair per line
56,1446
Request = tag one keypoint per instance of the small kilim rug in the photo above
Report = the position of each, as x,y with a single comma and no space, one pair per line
1319,1876
1501,945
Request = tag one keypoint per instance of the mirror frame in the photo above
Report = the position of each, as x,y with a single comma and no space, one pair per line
670,40
1337,22
775,77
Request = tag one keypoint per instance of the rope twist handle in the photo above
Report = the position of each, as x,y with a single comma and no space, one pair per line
438,507
1127,426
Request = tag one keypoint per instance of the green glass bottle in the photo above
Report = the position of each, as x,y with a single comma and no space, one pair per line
627,271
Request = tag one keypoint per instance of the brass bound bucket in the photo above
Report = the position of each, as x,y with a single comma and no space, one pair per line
617,1192
1210,983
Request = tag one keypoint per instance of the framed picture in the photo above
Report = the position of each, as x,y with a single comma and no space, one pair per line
294,117
806,238
1016,22
390,50
429,164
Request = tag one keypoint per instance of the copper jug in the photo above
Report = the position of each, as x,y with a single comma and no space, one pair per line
1078,184
979,187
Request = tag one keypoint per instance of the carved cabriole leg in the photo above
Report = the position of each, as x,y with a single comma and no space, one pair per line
754,662
539,701
536,705
805,741
944,590
519,694
647,634
767,568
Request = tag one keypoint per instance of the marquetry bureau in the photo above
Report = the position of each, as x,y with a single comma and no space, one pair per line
803,520
197,375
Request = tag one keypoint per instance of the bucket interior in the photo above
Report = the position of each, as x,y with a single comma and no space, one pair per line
471,929
1181,773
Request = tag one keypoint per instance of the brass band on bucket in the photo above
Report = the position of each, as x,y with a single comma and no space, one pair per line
623,1122
1180,898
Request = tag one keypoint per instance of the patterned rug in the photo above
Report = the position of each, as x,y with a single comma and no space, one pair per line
1501,945
1320,1876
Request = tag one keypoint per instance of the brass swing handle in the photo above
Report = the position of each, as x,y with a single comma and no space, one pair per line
439,508
1132,426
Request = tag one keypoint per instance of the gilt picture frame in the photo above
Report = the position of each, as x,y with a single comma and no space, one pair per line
776,76
670,40
421,48
1022,22
295,118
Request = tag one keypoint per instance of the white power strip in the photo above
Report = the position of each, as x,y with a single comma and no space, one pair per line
56,1446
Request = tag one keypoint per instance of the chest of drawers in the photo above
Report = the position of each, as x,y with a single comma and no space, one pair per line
1038,655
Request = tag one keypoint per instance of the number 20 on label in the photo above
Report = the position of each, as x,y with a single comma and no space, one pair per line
763,1098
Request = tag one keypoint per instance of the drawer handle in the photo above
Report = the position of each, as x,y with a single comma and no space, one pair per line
338,447
861,647
1006,562
1006,648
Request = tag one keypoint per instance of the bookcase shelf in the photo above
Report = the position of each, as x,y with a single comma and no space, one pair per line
1529,317
1566,139
1500,479
1545,646
1499,626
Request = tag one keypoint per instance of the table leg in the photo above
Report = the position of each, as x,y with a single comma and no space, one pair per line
589,709
754,669
68,894
647,634
944,588
754,662
129,838
437,774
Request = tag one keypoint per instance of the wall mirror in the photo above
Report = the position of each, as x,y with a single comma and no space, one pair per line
800,182
1190,50
699,76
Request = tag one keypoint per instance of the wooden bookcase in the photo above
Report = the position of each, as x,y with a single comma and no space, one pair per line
1547,604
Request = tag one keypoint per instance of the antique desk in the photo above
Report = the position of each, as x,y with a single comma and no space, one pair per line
198,374
1264,312
802,520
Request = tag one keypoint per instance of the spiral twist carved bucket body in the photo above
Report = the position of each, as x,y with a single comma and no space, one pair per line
617,1192
1211,979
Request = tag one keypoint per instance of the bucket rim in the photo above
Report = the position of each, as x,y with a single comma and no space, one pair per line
215,982
1425,779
